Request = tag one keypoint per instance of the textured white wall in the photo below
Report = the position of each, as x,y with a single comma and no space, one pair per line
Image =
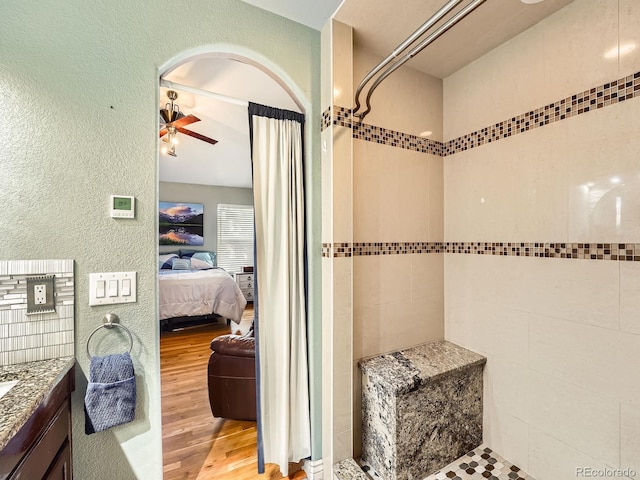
78,96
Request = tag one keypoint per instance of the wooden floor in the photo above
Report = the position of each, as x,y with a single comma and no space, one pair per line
195,444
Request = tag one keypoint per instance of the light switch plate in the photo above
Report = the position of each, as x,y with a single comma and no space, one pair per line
107,288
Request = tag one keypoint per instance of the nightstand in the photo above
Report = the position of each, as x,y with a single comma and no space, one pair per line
245,282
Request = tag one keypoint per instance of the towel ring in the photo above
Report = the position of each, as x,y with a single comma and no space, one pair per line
110,320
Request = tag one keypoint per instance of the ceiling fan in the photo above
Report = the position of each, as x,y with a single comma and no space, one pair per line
172,121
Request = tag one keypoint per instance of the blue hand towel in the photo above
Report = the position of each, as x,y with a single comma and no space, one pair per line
111,393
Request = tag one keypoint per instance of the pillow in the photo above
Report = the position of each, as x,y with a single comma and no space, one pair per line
165,260
198,264
181,264
209,257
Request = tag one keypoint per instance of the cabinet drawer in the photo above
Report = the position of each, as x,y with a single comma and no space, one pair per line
244,283
248,294
244,277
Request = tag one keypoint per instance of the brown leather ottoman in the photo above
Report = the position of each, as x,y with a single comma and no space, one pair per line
232,377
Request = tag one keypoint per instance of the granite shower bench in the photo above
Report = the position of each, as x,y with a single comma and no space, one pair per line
421,409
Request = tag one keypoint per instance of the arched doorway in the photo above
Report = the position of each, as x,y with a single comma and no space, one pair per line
195,444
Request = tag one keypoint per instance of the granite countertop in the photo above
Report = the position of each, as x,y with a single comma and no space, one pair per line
36,380
408,369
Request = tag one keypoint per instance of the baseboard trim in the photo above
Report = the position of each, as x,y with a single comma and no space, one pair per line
314,469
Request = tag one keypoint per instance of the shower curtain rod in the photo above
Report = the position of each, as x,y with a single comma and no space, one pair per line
403,46
204,93
416,50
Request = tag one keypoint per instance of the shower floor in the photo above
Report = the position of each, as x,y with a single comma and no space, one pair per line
481,464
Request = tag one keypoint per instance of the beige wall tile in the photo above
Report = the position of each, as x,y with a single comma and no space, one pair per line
629,35
390,194
342,184
380,279
342,446
573,352
342,403
342,62
507,435
603,175
479,194
550,458
630,297
326,82
367,328
467,324
517,76
540,182
575,41
397,325
630,435
412,324
427,274
342,286
564,289
387,320
481,91
436,198
506,386
588,421
629,359
408,101
368,194
455,115
342,344
327,185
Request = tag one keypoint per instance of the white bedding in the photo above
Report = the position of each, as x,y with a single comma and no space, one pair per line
185,293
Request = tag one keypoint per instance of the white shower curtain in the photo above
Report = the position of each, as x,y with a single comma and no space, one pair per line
278,190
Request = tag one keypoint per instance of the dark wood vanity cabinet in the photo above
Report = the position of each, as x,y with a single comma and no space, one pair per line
42,447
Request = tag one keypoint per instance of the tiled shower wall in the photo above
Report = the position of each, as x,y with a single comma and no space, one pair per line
27,338
562,336
376,189
397,198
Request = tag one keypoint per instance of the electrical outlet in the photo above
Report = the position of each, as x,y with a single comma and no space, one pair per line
40,294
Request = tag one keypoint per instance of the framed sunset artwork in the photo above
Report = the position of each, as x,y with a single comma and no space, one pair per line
181,223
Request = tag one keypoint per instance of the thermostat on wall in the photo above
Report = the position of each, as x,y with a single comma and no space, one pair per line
123,206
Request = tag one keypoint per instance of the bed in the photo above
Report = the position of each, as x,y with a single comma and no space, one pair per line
199,293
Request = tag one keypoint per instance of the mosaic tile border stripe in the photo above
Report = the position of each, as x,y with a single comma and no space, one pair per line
616,91
622,252
341,116
326,119
619,90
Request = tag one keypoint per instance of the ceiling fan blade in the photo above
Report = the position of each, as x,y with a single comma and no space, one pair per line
163,132
184,121
197,135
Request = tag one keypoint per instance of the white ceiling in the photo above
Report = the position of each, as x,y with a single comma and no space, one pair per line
312,13
227,163
379,26
489,25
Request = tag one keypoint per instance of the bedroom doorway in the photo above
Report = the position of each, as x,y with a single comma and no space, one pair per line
193,171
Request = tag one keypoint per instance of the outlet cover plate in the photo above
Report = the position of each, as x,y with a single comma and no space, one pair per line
49,304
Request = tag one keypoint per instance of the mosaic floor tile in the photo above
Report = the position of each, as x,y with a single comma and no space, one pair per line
479,464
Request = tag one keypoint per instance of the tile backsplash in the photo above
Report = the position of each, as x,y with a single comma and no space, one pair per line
28,338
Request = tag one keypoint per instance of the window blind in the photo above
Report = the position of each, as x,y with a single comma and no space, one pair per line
235,237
